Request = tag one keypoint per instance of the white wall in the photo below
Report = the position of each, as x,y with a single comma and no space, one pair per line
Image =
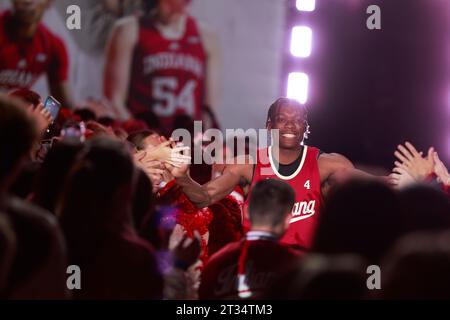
250,34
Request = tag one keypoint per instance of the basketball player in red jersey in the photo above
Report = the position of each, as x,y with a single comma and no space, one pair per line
28,50
309,172
163,61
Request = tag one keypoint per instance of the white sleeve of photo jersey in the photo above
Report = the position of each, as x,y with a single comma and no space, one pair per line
213,83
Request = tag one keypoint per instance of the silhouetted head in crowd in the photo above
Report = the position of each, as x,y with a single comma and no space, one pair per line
323,277
53,173
142,139
85,114
424,209
150,119
418,268
106,121
184,121
17,135
27,96
360,217
270,206
99,191
23,184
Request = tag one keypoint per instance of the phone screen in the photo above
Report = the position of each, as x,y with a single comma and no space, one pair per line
53,106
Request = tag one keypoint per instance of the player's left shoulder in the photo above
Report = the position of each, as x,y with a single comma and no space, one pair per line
334,161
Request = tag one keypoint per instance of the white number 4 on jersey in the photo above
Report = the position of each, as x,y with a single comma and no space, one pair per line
306,185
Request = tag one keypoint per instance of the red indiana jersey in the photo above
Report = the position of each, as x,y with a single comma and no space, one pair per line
265,261
167,76
23,61
306,183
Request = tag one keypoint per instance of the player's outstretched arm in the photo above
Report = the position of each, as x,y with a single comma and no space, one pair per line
334,166
334,169
214,190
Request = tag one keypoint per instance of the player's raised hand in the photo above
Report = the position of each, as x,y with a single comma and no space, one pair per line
178,169
180,155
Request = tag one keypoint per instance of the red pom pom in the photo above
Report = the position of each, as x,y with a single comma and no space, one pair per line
226,226
188,215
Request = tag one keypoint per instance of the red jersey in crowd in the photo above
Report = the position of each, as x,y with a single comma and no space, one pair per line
167,76
264,261
306,183
23,61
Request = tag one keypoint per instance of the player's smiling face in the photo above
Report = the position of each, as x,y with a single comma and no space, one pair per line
290,121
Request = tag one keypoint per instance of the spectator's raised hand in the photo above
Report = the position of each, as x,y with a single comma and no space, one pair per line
171,155
187,251
400,177
413,163
42,117
153,168
440,170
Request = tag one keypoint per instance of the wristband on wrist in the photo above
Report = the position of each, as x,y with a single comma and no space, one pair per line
431,177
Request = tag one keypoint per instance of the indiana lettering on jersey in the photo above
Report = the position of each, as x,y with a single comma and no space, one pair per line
303,210
15,78
172,60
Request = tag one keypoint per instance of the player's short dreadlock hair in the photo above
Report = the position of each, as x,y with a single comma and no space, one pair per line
273,109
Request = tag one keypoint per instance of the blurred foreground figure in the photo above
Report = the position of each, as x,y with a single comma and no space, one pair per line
96,216
38,267
417,268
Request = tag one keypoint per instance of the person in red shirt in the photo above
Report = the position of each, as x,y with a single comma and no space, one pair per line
29,50
242,269
309,171
164,63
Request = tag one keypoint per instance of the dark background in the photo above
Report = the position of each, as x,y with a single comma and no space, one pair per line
370,90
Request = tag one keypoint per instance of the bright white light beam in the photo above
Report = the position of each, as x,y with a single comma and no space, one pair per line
305,5
297,87
301,41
